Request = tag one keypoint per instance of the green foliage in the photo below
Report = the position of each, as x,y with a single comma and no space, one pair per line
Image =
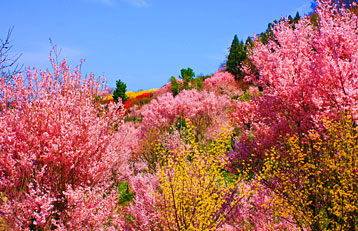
99,100
175,88
246,96
180,124
144,100
199,83
188,83
125,194
187,75
120,92
314,19
134,119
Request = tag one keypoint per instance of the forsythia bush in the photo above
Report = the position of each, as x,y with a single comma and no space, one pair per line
195,192
132,94
317,182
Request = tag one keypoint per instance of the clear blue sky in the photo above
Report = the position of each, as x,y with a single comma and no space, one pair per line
141,42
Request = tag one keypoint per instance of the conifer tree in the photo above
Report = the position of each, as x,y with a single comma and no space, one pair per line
120,92
237,56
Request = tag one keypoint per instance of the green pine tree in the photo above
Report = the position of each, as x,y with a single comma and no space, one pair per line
120,92
238,54
268,34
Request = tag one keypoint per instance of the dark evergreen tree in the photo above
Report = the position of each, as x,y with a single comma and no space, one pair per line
237,55
120,92
294,20
249,43
239,51
268,34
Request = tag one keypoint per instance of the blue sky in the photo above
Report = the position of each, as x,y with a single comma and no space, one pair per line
141,42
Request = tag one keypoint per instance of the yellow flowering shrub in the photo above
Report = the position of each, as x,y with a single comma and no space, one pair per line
109,97
195,191
316,181
3,226
132,94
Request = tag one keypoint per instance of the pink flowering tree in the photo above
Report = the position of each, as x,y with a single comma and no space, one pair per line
191,104
224,83
308,73
142,213
256,212
61,152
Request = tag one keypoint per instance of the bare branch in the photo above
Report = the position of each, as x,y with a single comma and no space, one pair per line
8,62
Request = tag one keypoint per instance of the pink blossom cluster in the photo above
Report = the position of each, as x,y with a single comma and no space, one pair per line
173,140
224,83
255,212
219,79
191,104
105,91
308,73
166,88
142,210
59,152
